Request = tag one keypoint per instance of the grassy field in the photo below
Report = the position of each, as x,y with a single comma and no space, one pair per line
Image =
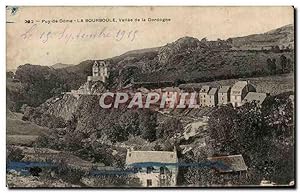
269,84
21,139
21,132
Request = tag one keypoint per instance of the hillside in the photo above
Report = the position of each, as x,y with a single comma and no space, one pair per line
186,60
60,65
22,132
192,60
283,36
15,94
269,84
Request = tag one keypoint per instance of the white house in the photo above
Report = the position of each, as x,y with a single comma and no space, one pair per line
203,95
212,100
238,92
224,95
153,168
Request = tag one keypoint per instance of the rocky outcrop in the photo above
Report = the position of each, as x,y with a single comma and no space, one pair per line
67,104
185,44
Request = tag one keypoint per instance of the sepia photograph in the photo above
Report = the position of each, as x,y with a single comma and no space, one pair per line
150,97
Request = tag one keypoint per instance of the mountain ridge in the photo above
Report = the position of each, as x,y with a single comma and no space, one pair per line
187,59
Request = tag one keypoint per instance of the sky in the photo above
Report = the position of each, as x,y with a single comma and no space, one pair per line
46,35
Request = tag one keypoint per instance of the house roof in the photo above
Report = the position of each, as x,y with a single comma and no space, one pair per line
224,89
204,89
190,88
171,89
213,91
255,96
99,63
231,163
151,156
238,87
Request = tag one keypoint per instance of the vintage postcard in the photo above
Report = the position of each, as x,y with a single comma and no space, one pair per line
147,97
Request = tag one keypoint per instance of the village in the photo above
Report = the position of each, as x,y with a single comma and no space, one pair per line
206,96
160,168
150,97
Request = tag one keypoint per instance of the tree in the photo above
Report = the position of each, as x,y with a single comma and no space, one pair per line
169,128
275,49
117,133
204,39
116,181
229,40
200,173
289,65
263,135
278,115
10,74
222,126
129,121
283,63
271,63
148,125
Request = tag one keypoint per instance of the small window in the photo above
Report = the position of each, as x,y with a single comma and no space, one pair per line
162,170
149,182
149,170
136,170
129,154
163,182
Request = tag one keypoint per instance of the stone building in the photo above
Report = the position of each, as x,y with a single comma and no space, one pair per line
153,168
99,71
212,100
239,91
229,167
203,96
224,95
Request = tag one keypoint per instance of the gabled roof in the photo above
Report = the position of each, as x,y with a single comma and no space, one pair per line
231,163
171,89
99,63
224,89
204,89
151,156
190,88
213,91
238,86
255,96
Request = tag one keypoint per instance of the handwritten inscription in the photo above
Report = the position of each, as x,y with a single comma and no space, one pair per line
68,34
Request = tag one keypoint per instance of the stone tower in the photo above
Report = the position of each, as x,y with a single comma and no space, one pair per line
99,71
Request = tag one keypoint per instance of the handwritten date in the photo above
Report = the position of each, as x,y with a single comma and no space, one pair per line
67,34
